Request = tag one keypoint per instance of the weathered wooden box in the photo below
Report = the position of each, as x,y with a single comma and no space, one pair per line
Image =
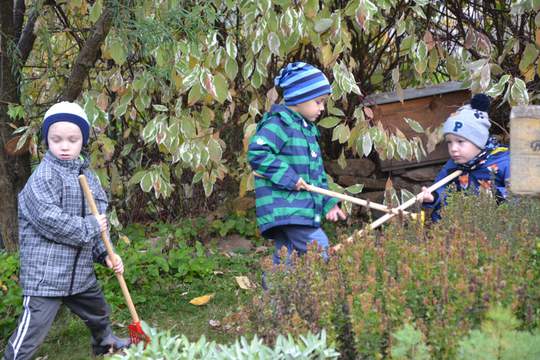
525,150
430,106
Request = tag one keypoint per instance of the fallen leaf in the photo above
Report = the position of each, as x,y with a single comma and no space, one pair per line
214,323
244,282
260,249
218,272
201,300
125,239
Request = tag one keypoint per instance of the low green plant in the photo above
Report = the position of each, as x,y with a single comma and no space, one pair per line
164,345
11,294
409,344
442,278
499,339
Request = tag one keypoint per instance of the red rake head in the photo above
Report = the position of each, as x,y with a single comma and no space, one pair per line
136,334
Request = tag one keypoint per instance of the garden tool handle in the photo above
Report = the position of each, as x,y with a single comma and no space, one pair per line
352,199
105,237
413,200
355,200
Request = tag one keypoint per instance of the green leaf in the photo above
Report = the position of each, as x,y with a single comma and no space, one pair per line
355,189
274,43
329,122
518,93
230,47
415,125
367,144
146,182
214,150
231,68
95,11
498,88
159,107
322,25
529,57
118,51
222,87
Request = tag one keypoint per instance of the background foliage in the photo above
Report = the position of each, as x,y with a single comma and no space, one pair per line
178,86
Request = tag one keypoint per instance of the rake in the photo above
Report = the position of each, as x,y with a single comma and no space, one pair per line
136,332
409,202
354,200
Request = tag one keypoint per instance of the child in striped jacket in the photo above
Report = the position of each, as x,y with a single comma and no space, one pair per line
285,154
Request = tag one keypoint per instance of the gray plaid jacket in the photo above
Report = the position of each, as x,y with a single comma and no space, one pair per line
59,240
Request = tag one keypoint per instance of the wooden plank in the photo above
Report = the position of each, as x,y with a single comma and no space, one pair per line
525,154
414,93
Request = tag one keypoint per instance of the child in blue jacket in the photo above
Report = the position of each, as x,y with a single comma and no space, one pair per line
484,163
60,240
285,154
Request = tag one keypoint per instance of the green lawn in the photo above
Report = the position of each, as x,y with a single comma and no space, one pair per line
69,338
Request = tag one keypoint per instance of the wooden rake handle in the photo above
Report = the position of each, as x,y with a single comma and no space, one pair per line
412,201
105,237
355,200
352,199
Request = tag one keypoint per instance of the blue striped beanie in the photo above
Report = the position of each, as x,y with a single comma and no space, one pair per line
301,82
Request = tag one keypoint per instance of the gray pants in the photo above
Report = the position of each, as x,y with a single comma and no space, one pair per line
39,313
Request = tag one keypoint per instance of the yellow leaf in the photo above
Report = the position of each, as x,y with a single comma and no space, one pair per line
125,239
244,282
201,300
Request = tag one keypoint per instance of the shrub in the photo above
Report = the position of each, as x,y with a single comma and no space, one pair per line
163,345
443,278
10,293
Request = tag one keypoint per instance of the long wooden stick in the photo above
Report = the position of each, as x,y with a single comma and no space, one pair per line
105,237
355,200
352,199
411,201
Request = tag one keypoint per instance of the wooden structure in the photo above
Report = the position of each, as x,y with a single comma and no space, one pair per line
430,106
525,154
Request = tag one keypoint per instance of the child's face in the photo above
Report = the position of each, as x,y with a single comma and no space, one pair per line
65,140
311,109
460,149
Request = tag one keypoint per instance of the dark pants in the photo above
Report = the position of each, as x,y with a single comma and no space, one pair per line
39,313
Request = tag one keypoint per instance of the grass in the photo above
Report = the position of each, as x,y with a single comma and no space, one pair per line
69,338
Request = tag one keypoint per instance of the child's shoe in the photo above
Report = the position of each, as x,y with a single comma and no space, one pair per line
110,344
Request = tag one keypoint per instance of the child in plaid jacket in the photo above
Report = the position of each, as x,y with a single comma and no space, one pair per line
60,240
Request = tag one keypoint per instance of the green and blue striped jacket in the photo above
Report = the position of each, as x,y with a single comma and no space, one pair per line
283,149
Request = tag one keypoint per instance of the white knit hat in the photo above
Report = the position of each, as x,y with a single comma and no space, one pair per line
471,121
66,111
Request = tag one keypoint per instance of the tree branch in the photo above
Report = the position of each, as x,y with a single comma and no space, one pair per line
27,38
18,17
88,56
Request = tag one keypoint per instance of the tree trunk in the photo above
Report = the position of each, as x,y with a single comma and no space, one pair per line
14,171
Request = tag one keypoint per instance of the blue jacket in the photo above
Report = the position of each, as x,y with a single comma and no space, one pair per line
283,149
491,173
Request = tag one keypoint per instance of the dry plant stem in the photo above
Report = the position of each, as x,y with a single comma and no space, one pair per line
409,203
105,237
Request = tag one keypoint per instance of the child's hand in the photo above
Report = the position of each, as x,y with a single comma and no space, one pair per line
301,184
427,197
102,221
335,214
118,266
